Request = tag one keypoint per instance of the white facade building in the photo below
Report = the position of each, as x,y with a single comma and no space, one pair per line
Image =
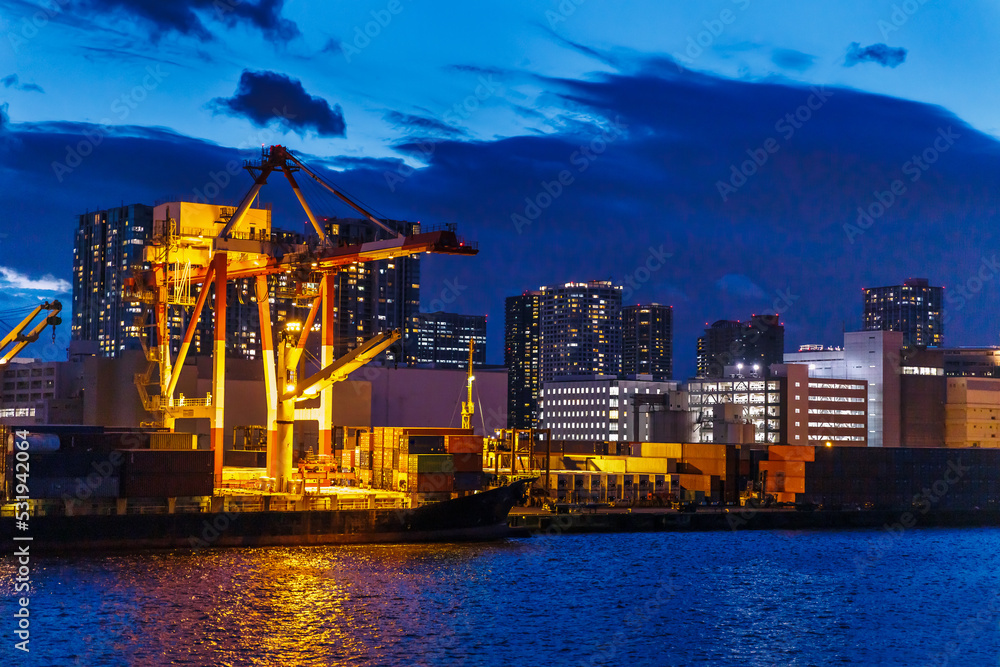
597,407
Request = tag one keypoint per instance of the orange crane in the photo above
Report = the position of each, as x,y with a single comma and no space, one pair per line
21,339
233,253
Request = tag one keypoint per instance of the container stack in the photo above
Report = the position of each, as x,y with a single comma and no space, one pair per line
467,453
786,470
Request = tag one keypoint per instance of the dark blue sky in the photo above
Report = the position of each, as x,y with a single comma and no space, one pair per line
731,141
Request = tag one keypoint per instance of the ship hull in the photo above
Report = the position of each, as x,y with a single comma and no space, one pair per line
482,516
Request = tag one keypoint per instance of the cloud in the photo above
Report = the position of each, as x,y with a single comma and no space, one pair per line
422,125
653,185
187,17
4,117
12,279
333,45
886,56
266,97
12,81
741,286
792,59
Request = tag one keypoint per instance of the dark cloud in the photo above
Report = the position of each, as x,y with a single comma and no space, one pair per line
422,125
266,97
640,179
188,17
332,46
12,81
792,59
886,56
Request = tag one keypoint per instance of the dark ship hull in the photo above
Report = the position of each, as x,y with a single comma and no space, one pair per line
482,516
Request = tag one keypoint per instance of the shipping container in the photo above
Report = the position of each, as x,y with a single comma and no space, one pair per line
465,444
173,441
791,453
168,461
468,481
78,488
703,451
431,482
425,444
166,485
468,462
431,463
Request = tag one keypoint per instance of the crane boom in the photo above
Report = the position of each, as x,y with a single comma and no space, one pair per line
20,339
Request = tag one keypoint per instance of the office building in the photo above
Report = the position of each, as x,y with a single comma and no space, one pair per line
647,341
598,407
913,308
754,345
442,340
521,358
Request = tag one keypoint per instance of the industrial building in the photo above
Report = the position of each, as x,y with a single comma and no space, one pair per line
647,341
875,357
598,407
442,340
787,408
913,308
753,345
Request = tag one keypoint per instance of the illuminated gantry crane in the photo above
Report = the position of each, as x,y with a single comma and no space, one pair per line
468,407
21,339
234,253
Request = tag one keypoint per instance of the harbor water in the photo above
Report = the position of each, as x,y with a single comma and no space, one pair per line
865,597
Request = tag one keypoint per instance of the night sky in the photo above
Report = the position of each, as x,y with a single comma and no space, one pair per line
711,154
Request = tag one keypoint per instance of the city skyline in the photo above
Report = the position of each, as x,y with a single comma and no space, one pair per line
720,167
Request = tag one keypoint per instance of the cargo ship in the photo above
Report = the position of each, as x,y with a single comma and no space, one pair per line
108,490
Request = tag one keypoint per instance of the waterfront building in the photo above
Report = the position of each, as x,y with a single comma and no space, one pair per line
913,308
598,407
787,407
756,344
442,340
647,341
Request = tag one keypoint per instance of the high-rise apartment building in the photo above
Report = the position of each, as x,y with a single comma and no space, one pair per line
442,339
107,245
580,329
647,341
563,330
913,308
757,343
373,297
521,357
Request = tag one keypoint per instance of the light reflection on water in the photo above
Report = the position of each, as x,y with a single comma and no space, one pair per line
761,598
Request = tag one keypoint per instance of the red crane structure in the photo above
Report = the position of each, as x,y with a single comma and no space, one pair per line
184,260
